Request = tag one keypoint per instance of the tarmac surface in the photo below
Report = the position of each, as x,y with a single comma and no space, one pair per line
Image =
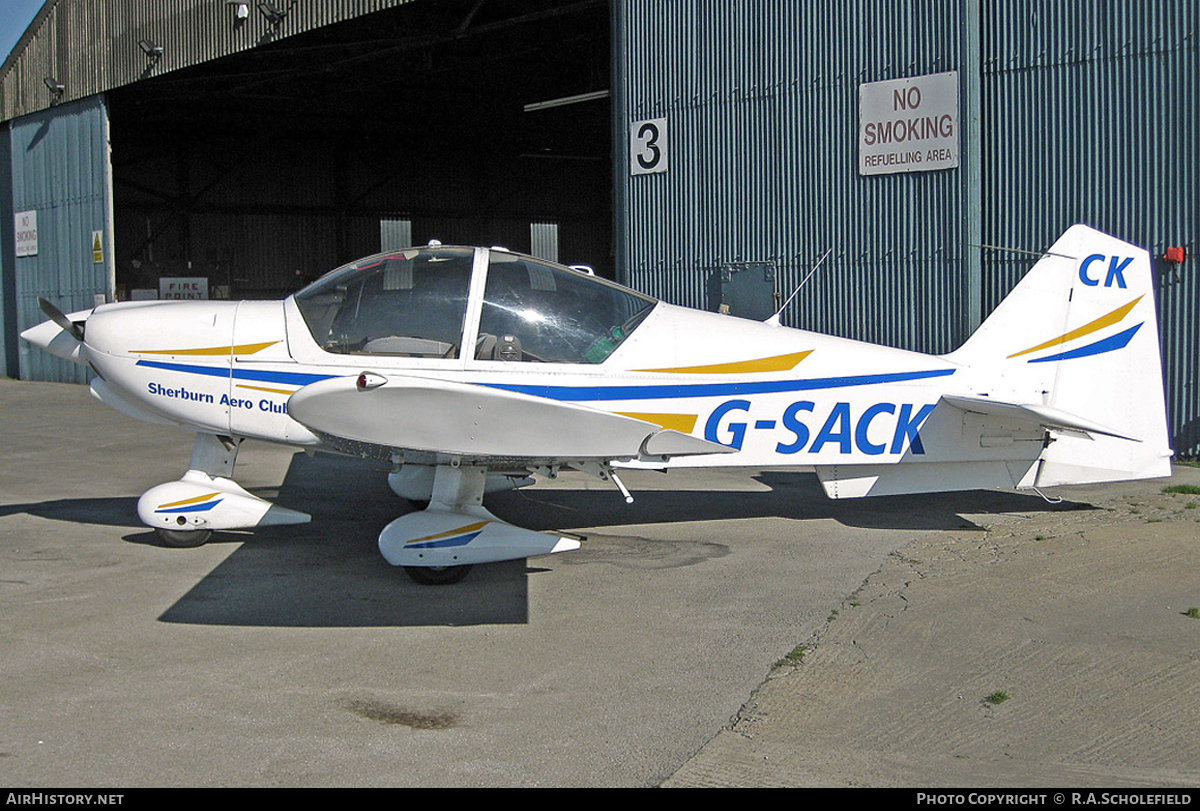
656,655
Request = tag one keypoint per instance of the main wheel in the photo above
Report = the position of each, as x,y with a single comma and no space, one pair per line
183,538
436,575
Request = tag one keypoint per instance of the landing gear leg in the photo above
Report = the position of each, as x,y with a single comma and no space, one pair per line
457,488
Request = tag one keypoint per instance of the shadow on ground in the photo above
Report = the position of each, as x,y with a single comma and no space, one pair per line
329,573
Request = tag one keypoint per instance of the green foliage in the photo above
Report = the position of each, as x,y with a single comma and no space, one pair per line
794,657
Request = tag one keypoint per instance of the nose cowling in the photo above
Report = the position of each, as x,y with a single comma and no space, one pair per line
136,327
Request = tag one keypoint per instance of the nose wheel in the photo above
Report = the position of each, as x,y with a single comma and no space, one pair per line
183,538
436,575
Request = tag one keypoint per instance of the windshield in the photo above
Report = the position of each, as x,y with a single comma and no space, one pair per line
537,311
413,303
408,303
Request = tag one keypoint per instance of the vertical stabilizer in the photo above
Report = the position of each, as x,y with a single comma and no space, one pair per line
1079,335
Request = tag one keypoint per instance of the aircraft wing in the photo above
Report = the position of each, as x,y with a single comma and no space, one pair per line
1042,415
477,421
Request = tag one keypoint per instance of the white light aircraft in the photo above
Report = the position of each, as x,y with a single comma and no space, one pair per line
472,370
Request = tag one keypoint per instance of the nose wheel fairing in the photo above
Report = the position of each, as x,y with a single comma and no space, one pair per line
185,512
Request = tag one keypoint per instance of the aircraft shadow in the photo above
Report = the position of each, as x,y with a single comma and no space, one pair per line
308,581
105,512
329,573
792,495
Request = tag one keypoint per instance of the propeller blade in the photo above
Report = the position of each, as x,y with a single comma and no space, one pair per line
56,315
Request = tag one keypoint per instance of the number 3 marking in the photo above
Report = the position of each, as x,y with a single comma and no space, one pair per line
650,133
648,146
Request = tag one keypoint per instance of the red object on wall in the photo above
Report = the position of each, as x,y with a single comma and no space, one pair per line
1174,255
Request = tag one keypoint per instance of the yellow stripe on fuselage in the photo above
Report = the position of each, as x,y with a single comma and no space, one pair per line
776,363
264,388
240,349
683,423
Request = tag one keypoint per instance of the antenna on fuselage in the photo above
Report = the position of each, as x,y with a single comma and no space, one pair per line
774,320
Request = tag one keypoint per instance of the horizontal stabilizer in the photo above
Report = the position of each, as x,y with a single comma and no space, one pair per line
1034,414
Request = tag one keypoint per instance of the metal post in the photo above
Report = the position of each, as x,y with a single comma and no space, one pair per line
971,168
620,146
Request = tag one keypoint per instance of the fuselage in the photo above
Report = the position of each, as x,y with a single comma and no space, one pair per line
779,396
474,356
476,369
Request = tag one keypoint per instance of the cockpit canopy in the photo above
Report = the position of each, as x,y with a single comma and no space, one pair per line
415,303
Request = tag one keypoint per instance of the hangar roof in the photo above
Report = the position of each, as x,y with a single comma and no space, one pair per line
77,48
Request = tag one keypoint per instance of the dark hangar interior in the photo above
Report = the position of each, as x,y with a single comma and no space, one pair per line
263,169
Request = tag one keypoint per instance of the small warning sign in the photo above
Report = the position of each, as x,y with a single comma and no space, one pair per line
26,231
97,251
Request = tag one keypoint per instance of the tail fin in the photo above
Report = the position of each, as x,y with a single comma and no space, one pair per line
1078,338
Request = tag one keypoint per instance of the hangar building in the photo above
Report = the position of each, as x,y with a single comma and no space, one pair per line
918,154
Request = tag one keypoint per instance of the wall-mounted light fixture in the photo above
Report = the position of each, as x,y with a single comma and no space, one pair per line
153,52
150,49
241,9
273,15
56,87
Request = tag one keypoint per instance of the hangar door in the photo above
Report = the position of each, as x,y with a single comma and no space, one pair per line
467,122
61,204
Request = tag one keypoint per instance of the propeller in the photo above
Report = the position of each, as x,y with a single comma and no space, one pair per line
56,315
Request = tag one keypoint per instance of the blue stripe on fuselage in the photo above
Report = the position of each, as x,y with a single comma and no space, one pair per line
290,378
676,391
665,391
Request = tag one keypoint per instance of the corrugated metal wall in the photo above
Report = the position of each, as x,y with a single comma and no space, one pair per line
60,169
1091,113
91,47
1084,112
762,107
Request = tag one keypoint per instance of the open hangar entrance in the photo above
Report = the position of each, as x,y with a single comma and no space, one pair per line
469,122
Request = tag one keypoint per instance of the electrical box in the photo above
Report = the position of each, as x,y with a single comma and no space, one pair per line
744,289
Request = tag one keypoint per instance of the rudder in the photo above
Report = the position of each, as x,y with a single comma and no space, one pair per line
1079,335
